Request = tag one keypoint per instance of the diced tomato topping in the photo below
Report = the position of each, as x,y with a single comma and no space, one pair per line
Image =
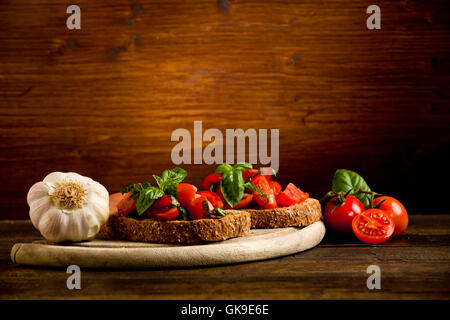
276,187
185,194
291,195
121,204
163,209
245,201
249,173
165,213
263,184
196,210
210,180
212,197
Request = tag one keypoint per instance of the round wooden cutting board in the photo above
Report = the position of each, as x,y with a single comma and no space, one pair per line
259,245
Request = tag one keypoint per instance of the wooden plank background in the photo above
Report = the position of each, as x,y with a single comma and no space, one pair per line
104,100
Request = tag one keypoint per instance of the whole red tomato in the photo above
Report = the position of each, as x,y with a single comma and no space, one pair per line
339,217
396,210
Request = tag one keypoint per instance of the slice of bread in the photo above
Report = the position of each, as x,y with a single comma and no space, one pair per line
299,215
234,224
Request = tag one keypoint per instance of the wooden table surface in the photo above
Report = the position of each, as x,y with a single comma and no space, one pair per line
413,266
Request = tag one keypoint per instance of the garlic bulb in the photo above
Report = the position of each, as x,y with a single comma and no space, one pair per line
68,206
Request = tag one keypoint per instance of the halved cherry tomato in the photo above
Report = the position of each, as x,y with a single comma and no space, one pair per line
211,179
185,194
373,226
275,186
249,173
245,201
121,204
263,184
396,210
212,197
163,209
196,207
339,217
291,195
165,213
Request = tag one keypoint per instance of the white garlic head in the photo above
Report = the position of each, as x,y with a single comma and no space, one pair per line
68,207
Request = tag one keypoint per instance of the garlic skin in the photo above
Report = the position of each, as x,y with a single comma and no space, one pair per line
68,207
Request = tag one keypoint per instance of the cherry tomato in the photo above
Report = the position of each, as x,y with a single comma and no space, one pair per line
211,179
165,213
339,217
185,194
291,195
249,173
373,226
212,197
396,210
196,207
263,184
275,186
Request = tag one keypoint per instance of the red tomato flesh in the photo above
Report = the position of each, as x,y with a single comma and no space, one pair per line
165,213
276,187
263,184
121,204
249,173
212,197
185,194
245,201
291,195
196,207
210,180
373,226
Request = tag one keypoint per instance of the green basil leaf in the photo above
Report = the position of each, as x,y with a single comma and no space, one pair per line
219,212
147,197
169,180
252,187
175,175
232,186
242,165
174,201
224,167
159,181
182,214
346,180
128,188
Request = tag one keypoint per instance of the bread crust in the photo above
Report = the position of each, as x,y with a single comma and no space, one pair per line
234,224
299,215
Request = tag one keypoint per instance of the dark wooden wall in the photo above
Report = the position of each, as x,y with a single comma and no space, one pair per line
104,100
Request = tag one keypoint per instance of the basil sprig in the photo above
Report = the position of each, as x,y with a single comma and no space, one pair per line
233,185
145,194
169,180
350,182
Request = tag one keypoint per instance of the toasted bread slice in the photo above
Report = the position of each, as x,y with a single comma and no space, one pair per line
234,224
299,215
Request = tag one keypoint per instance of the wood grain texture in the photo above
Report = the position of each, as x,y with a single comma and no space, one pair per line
104,100
413,266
